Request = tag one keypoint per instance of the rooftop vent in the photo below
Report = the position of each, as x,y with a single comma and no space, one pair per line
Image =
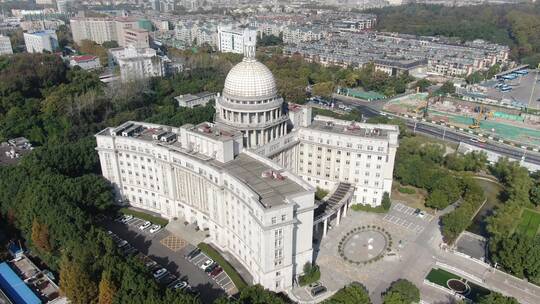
272,174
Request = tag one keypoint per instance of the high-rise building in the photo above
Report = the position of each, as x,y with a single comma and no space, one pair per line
123,30
5,45
37,42
231,40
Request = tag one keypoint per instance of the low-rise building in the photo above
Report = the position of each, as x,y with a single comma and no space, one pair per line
196,100
86,62
37,42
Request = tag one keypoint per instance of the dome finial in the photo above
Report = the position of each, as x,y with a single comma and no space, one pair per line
250,42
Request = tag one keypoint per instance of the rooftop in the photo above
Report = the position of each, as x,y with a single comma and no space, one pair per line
354,129
15,288
83,58
271,186
210,130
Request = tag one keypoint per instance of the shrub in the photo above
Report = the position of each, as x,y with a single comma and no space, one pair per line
406,190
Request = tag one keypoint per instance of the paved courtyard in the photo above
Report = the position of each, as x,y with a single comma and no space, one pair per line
416,249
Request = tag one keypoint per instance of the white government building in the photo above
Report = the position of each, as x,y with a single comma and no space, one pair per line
250,177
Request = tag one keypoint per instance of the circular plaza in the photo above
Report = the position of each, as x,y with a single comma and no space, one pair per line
364,245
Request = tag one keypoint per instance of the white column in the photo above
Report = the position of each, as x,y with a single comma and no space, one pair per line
338,218
345,209
325,227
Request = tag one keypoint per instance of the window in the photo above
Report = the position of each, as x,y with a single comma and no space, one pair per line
283,217
273,220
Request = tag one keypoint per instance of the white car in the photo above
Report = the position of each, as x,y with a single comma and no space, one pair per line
122,243
155,228
207,264
421,214
126,218
180,285
159,273
145,225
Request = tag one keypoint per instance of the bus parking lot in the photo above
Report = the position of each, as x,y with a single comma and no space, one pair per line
161,249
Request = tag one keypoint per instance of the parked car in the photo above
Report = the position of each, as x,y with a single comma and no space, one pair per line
122,243
155,228
317,291
207,264
216,271
160,272
193,253
211,268
150,264
145,225
180,285
126,218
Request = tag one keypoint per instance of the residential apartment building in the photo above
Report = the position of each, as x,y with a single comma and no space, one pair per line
123,30
231,40
5,45
393,52
37,42
138,63
297,34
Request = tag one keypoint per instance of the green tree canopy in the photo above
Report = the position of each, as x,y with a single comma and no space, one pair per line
401,292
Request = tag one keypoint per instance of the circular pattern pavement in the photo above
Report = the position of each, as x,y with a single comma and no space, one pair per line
365,244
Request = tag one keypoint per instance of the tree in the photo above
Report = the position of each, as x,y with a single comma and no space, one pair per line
256,294
423,85
386,202
446,89
497,298
323,89
110,44
401,292
354,293
107,290
75,283
40,236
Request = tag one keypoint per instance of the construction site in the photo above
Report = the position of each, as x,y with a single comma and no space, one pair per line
511,124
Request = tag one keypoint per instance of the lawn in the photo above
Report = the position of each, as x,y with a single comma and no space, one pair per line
367,208
440,277
529,223
231,272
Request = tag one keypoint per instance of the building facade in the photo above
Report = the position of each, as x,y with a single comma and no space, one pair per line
250,177
138,63
123,30
232,40
5,45
197,100
38,42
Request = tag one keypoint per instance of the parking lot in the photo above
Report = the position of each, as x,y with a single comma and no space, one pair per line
405,217
221,279
161,249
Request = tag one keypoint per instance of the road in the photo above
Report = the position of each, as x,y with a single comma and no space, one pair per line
373,109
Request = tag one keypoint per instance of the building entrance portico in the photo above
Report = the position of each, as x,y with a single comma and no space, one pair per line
333,207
